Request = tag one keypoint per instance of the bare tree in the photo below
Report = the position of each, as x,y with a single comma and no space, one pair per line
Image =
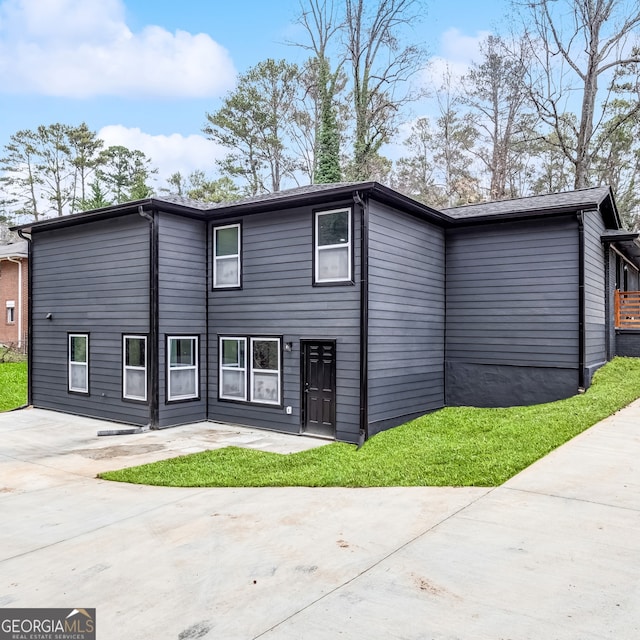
494,91
322,22
380,66
577,43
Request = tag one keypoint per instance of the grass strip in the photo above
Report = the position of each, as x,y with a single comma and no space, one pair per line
456,446
13,385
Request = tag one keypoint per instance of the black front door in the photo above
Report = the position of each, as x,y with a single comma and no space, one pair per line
319,387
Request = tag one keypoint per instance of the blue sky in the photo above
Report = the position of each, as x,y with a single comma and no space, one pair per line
144,72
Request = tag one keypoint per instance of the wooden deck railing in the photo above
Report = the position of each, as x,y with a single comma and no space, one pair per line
627,309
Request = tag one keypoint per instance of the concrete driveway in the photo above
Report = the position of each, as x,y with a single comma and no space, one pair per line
553,553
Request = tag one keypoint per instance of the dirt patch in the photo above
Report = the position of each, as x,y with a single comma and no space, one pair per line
119,451
425,585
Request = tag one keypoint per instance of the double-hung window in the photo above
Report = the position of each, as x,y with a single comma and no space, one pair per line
182,368
134,374
78,363
226,256
233,368
255,376
332,234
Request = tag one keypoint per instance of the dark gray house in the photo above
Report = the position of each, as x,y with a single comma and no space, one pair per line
337,310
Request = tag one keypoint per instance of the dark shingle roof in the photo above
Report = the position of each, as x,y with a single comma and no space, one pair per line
263,197
599,198
570,200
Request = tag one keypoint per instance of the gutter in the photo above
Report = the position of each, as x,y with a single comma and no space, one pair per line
29,239
19,263
364,318
581,302
154,391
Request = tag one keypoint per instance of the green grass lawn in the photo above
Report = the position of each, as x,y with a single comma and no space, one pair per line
456,446
13,385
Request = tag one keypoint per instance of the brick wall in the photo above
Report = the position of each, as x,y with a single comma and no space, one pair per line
9,282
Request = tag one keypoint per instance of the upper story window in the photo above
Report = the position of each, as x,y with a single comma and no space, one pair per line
332,250
226,256
78,363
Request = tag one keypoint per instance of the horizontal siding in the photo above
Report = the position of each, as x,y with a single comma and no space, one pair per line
182,306
93,278
594,290
512,294
278,298
406,316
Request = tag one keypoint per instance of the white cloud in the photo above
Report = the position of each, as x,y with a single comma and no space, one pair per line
457,52
167,153
84,48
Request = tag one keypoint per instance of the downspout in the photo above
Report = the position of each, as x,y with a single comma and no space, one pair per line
154,411
364,319
19,263
206,319
608,314
581,302
29,241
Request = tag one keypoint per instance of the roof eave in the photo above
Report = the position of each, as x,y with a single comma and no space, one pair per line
112,211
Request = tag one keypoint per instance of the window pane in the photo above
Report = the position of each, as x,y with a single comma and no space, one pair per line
233,353
265,354
135,356
78,349
333,264
227,241
333,228
265,387
183,383
233,384
182,352
78,377
227,272
134,384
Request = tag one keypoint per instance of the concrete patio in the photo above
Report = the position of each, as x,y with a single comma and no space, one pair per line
553,553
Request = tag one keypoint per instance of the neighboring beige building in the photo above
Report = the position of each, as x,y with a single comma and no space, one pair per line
14,289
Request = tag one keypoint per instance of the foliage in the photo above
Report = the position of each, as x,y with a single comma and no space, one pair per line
327,151
124,174
197,187
323,83
20,178
47,171
456,446
98,197
13,385
254,123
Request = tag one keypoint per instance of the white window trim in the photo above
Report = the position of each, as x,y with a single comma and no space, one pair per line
126,367
278,371
318,249
227,257
78,363
229,368
249,370
193,367
11,312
